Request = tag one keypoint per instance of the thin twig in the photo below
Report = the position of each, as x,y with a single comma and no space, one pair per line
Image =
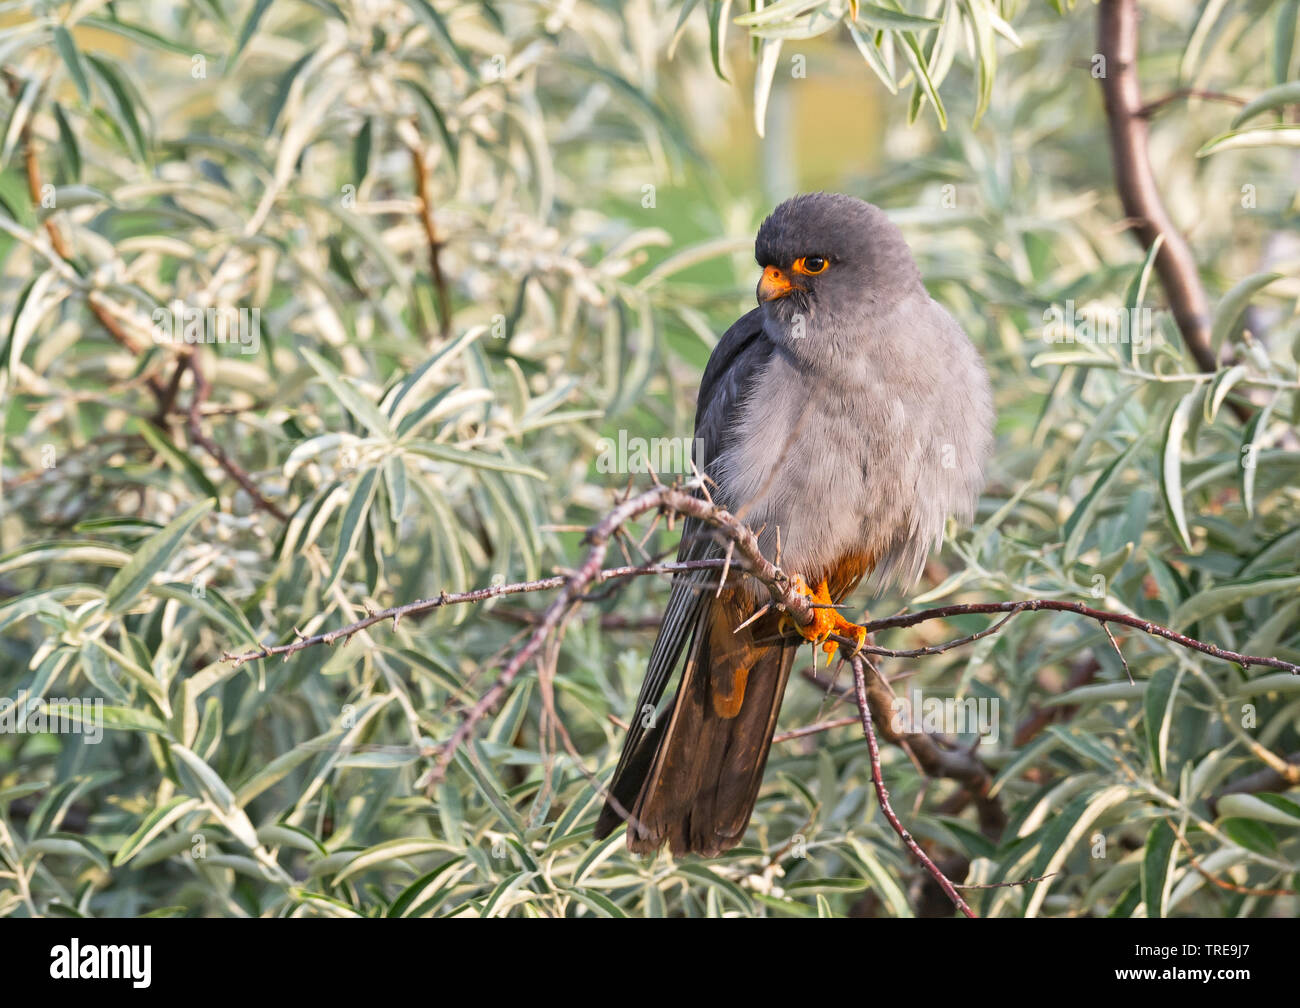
574,587
1214,880
420,169
1151,108
201,438
882,793
1102,616
396,613
814,729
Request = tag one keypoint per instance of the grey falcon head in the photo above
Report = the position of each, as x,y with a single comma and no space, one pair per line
831,256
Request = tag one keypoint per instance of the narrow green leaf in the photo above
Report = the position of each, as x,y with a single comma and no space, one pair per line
1220,387
718,24
249,29
425,12
924,85
390,850
895,20
152,557
1234,303
1262,808
112,718
121,104
361,408
1136,295
154,823
354,516
138,33
1275,98
1158,710
702,873
1251,445
70,845
1076,528
210,782
872,57
1284,35
439,120
769,55
415,897
69,147
361,152
1064,832
72,60
414,382
1251,834
1279,135
986,54
599,904
179,461
1225,596
1158,861
1171,467
473,459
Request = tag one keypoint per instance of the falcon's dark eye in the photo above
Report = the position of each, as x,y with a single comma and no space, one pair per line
811,265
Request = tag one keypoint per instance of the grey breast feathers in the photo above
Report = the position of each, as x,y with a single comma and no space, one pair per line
867,450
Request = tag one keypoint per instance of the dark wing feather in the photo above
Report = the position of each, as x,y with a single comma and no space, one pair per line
735,362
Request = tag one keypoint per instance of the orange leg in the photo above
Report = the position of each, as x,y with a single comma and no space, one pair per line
825,621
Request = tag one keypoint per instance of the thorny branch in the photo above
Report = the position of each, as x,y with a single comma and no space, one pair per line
749,560
934,755
875,699
882,793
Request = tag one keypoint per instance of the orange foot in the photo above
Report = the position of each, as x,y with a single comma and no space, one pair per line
825,621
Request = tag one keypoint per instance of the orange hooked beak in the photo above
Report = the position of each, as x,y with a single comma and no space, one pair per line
774,284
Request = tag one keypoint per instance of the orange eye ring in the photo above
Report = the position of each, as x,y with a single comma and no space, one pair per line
811,265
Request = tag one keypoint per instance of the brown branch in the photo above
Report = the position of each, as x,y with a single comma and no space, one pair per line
1054,605
1130,153
571,592
882,793
574,589
1224,884
165,395
1151,108
936,760
813,729
168,403
420,169
34,186
397,613
114,328
1039,718
199,437
61,248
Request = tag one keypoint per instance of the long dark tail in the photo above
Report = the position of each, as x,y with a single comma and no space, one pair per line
693,779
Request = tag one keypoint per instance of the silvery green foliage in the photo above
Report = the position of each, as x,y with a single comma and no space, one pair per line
261,155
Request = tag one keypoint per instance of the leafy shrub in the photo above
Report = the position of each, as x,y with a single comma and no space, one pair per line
478,238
